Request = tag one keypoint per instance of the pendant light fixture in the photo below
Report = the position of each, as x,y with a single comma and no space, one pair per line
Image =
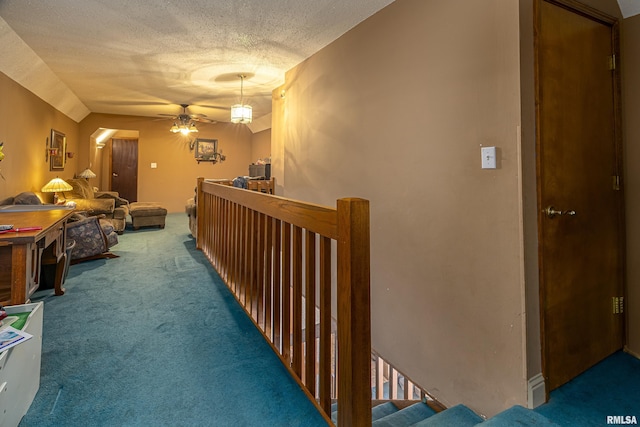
241,113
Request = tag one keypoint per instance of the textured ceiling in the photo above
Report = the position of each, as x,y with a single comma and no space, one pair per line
146,57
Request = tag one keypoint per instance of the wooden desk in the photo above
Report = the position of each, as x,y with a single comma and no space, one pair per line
22,253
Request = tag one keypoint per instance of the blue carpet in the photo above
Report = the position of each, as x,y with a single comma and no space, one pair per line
611,388
458,416
408,416
518,416
154,338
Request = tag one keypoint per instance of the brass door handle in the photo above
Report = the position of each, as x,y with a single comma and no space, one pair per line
114,174
551,212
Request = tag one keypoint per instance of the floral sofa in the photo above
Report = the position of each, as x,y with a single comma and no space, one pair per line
108,203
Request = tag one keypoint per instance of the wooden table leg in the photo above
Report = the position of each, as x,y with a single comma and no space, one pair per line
59,290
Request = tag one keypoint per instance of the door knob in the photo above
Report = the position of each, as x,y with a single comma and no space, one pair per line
551,212
114,174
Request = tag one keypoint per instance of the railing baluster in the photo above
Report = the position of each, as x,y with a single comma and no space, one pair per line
224,238
325,326
253,275
393,384
286,294
379,378
277,285
310,310
240,252
260,315
233,244
297,301
268,259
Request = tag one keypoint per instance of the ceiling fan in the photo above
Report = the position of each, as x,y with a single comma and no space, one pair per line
185,123
185,116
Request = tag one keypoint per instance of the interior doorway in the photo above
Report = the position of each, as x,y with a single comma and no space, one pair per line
124,168
580,197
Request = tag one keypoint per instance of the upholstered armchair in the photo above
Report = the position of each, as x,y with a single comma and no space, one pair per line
93,237
108,203
191,208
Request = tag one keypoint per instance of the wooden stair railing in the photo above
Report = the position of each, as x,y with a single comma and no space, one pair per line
275,255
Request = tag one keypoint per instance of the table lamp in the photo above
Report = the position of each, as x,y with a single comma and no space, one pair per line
86,174
55,186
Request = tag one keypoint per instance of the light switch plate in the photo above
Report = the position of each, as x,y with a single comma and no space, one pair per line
154,165
489,160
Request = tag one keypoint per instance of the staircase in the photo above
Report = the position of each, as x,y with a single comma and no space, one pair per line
422,415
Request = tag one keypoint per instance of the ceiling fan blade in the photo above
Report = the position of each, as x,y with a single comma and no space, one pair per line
215,107
203,120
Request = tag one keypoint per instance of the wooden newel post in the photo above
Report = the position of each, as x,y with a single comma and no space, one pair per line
354,313
200,217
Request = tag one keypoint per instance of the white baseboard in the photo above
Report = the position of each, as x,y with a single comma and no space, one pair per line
536,391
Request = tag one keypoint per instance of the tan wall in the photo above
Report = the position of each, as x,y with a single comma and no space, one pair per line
25,125
396,111
631,107
261,145
174,179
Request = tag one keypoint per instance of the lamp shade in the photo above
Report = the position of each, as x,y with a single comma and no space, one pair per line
86,174
241,113
56,185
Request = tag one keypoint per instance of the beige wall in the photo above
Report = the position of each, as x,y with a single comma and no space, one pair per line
261,145
631,107
174,179
396,111
25,125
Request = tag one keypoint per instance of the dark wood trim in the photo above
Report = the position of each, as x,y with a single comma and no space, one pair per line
585,10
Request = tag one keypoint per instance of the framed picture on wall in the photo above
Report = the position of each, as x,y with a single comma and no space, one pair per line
57,150
206,149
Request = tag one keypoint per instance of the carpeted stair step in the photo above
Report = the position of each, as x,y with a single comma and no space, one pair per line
381,411
406,417
518,416
458,416
377,412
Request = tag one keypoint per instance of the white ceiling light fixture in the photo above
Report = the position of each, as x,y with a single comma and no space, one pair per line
183,123
241,113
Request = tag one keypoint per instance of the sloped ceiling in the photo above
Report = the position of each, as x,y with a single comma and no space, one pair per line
147,57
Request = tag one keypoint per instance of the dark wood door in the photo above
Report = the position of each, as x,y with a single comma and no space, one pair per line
124,168
581,216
